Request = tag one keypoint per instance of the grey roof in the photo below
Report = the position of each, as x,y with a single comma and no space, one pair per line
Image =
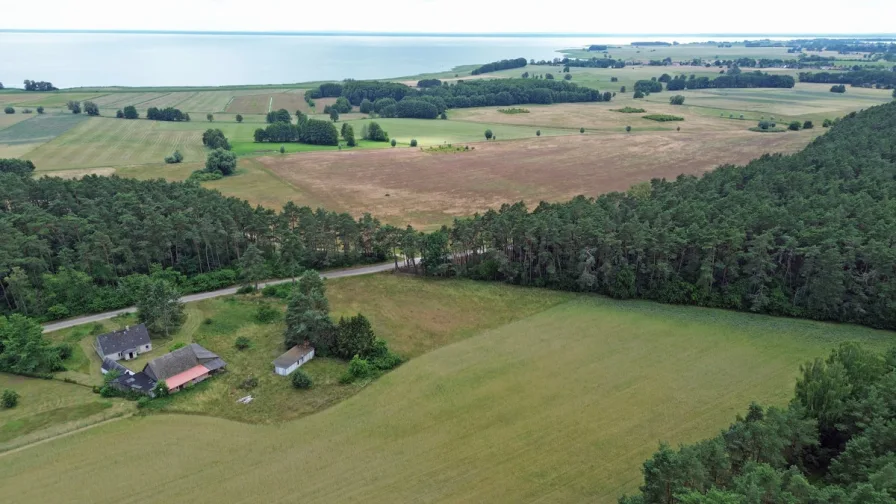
128,338
139,382
292,356
214,364
111,365
178,361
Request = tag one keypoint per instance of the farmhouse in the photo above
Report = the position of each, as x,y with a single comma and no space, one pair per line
184,366
292,359
188,365
125,344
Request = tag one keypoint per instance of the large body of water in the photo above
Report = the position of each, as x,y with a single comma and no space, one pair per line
145,59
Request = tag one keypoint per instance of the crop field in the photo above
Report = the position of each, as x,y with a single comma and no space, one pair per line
25,135
206,101
121,100
560,406
292,101
427,189
430,132
33,99
168,100
251,104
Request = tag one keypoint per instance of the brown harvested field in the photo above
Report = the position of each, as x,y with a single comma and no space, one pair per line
250,104
167,100
291,101
410,186
320,103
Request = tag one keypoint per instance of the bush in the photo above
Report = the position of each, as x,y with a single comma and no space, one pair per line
143,402
119,114
489,134
826,123
537,132
210,117
581,130
242,343
281,291
808,125
64,350
839,88
130,112
794,126
249,383
91,109
204,176
10,398
393,142
628,129
239,118
413,142
443,116
639,94
175,346
161,389
246,289
567,77
301,380
677,100
629,110
174,158
9,110
220,160
662,117
358,369
266,313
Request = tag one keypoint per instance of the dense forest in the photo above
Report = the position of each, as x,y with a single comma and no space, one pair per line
833,444
74,246
811,234
463,94
755,79
866,78
500,65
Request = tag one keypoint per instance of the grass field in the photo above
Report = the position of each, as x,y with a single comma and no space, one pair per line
561,406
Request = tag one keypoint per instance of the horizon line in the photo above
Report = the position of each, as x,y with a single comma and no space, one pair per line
435,34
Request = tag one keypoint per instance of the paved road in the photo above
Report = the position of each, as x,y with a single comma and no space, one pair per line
366,270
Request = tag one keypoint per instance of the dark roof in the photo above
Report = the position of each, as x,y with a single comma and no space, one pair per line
214,364
139,382
292,356
128,338
178,361
111,365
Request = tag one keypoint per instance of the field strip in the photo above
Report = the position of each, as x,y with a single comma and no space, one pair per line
151,98
270,104
228,103
188,97
64,434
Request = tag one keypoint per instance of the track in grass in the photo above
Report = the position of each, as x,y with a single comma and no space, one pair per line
562,406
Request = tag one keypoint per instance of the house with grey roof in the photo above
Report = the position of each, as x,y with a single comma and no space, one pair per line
292,359
125,344
185,366
110,365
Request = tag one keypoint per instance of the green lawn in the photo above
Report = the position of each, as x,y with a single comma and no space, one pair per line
435,132
560,406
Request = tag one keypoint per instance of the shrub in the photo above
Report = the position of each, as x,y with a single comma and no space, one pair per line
808,125
301,380
40,110
826,123
161,389
249,383
210,117
239,118
143,402
74,106
443,116
677,100
358,369
10,398
266,313
281,291
208,321
130,112
662,117
489,134
175,346
174,158
9,110
628,129
581,130
413,142
537,132
64,350
282,149
393,142
246,289
839,88
91,109
119,114
794,126
629,110
242,343
639,94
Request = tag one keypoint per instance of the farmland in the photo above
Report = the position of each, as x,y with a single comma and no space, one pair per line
561,405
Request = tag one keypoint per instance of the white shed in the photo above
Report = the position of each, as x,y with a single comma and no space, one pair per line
292,359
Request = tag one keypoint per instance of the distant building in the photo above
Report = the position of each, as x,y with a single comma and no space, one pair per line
125,344
292,359
184,366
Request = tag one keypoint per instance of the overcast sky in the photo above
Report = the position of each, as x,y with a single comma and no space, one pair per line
459,16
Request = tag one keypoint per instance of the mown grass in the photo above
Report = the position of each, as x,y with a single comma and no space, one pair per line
435,131
562,406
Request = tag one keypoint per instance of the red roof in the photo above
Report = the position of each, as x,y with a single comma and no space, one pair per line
187,376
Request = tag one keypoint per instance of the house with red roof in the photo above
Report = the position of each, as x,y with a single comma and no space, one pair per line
179,369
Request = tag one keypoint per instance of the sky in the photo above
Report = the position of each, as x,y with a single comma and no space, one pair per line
460,16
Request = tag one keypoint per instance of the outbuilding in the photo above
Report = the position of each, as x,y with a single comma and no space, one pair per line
293,359
125,344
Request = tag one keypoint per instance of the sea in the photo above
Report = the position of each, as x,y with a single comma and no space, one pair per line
135,59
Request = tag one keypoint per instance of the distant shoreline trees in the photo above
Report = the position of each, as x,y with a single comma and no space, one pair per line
500,65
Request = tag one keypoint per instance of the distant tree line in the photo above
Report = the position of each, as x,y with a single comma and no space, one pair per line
500,65
860,78
598,47
594,63
31,85
831,444
79,246
429,83
166,114
807,235
755,79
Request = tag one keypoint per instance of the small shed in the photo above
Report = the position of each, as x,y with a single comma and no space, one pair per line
292,359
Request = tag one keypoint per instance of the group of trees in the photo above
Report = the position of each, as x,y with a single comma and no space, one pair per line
129,112
25,351
425,83
860,78
31,85
309,131
374,132
166,114
755,79
500,65
385,98
215,139
838,88
832,444
807,235
281,115
78,246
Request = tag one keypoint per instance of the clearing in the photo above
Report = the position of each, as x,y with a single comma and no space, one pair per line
561,406
412,186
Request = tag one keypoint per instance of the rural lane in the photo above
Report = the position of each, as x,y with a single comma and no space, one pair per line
366,270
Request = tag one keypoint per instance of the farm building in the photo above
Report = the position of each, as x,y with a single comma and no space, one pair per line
292,359
188,365
110,365
125,344
180,368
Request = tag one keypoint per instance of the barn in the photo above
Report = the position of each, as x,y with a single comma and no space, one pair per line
292,359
